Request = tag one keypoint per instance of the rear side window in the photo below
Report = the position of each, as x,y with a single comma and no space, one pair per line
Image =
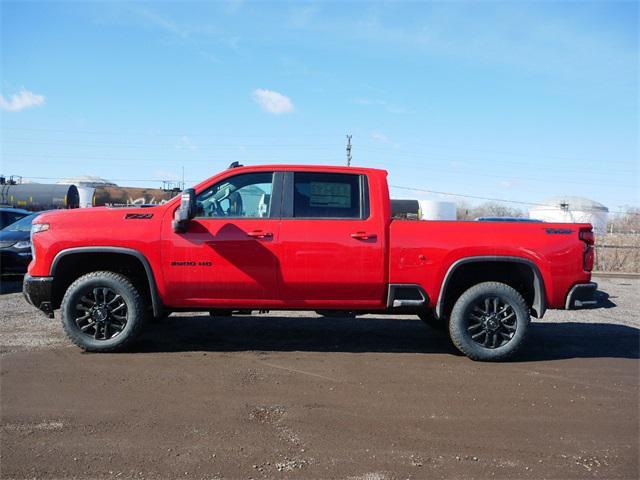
327,195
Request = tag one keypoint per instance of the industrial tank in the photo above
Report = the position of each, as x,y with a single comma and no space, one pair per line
437,210
423,209
131,196
39,196
97,192
572,210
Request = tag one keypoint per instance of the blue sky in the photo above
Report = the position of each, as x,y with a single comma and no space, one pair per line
518,101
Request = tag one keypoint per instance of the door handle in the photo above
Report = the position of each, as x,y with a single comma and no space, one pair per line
364,236
259,234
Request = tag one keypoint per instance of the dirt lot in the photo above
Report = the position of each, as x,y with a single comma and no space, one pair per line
290,395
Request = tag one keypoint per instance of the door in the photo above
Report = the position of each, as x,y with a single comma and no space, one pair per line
332,244
228,256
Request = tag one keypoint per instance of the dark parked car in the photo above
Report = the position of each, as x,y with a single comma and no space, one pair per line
11,215
15,245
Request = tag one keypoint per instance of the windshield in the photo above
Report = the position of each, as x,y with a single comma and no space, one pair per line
22,225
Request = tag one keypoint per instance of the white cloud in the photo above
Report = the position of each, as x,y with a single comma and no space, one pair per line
389,107
509,183
20,101
458,165
186,143
302,17
380,137
273,102
153,18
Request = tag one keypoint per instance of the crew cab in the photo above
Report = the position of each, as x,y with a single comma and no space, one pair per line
295,237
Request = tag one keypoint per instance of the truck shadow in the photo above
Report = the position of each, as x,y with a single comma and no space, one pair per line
546,341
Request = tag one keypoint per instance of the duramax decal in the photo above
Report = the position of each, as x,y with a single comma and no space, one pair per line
191,264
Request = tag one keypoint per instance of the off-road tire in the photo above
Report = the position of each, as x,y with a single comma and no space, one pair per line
459,323
135,306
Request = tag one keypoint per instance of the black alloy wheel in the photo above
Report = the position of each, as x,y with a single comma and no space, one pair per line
492,322
101,313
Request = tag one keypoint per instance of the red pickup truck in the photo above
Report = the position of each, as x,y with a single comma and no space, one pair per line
302,238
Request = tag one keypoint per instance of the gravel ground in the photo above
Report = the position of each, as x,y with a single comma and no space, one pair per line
24,328
294,395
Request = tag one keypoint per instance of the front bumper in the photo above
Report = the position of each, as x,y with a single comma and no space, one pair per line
39,292
582,295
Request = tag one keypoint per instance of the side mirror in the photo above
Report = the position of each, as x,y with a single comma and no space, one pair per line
185,212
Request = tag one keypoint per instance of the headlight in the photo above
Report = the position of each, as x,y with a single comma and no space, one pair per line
39,227
23,244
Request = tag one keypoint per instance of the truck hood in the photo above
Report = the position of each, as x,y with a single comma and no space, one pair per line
92,216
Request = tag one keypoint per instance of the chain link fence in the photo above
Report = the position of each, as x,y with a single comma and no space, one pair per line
618,252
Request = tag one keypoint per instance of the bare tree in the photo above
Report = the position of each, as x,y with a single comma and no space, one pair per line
628,222
487,209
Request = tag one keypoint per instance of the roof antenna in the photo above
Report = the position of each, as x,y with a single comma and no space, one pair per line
235,165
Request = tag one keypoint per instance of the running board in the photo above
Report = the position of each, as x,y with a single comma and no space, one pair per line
403,295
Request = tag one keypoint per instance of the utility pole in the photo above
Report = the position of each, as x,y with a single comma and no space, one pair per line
182,178
349,150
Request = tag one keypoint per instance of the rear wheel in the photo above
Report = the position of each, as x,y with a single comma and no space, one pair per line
102,312
489,322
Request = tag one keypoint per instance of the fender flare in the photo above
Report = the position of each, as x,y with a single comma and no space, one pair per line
153,288
539,297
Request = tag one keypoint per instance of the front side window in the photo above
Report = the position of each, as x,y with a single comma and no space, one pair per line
243,196
326,195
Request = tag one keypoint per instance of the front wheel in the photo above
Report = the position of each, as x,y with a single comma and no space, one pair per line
102,312
489,322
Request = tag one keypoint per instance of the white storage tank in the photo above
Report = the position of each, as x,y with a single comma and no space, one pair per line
437,210
572,210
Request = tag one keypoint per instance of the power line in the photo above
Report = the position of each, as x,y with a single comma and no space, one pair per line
400,187
424,190
71,158
176,144
457,148
141,133
457,159
500,200
112,179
